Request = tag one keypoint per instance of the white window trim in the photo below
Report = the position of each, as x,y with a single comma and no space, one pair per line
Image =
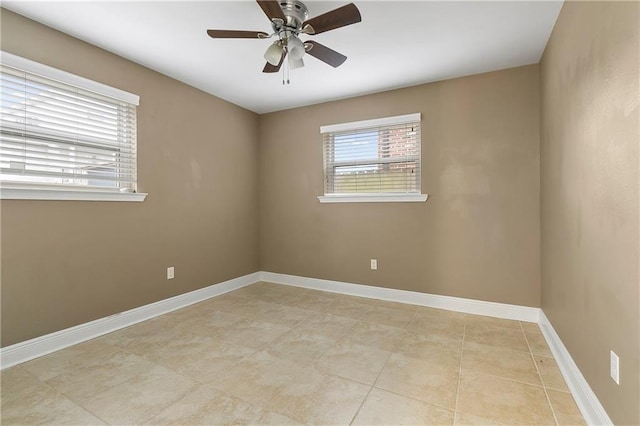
10,191
44,193
365,124
373,198
66,77
384,197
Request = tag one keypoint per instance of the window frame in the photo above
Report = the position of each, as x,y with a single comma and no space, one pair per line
370,197
10,190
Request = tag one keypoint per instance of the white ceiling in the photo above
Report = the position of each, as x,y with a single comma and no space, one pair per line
397,44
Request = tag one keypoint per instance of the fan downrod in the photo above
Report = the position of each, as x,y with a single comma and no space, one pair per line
296,13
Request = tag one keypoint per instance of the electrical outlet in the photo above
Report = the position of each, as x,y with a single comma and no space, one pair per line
374,264
615,367
170,273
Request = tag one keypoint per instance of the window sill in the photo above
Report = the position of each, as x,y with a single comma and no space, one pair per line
8,193
374,198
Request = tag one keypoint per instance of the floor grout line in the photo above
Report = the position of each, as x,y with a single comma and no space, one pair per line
197,383
544,388
317,311
464,333
73,401
373,384
503,378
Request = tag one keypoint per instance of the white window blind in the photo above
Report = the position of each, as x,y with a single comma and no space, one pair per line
373,156
60,133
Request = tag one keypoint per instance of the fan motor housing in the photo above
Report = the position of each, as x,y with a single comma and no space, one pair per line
295,11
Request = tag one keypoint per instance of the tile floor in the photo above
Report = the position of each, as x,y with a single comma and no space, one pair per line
272,354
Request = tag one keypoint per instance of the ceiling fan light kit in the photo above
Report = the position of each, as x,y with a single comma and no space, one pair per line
274,53
288,21
295,47
295,63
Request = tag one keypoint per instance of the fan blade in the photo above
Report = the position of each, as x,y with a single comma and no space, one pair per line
325,54
236,34
340,17
272,9
270,68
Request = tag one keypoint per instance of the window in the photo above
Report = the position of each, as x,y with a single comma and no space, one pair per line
373,160
63,136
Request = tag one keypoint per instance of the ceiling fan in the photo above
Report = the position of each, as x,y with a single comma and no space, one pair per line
289,20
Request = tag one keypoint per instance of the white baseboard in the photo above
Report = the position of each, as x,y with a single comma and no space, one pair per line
39,346
587,401
469,306
43,345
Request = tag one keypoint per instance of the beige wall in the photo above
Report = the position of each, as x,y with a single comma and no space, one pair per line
68,262
590,182
478,234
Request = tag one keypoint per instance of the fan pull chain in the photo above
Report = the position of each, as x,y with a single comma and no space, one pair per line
284,67
286,70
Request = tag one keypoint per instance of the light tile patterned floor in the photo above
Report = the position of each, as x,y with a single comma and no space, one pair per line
272,354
